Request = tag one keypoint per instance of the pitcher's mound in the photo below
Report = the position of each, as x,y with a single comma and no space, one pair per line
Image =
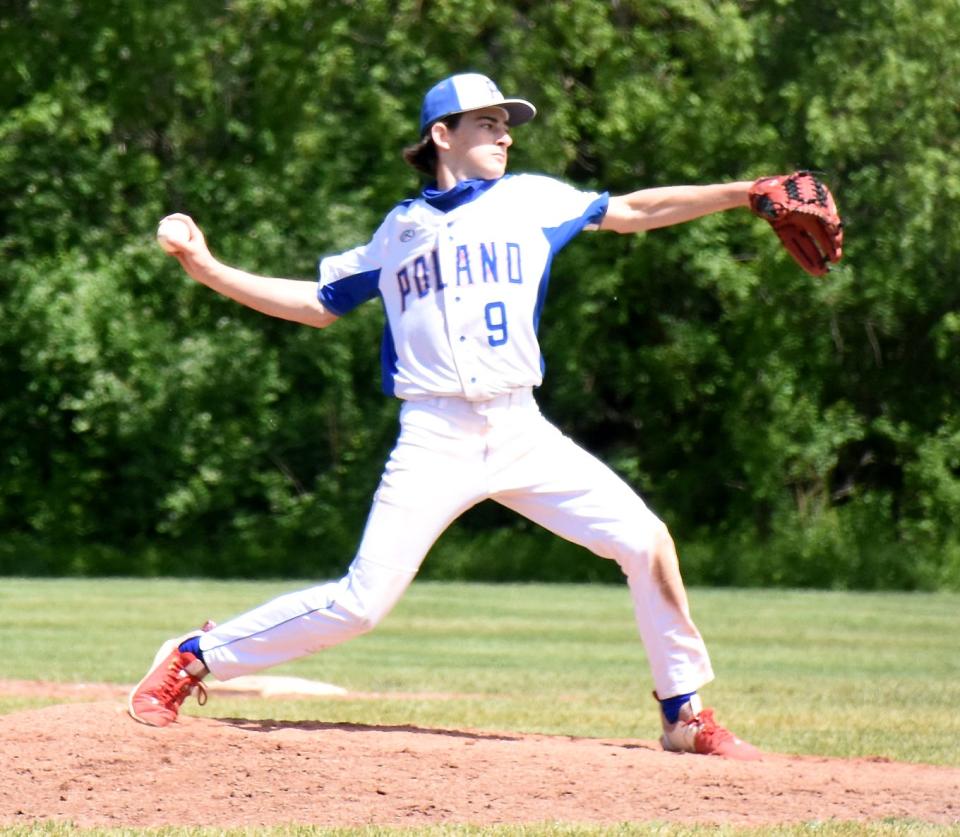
90,764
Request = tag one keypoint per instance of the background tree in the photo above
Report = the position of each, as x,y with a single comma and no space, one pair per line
792,431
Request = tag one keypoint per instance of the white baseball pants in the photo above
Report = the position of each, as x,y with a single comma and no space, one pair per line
450,455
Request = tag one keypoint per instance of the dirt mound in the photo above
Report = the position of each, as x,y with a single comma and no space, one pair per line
90,764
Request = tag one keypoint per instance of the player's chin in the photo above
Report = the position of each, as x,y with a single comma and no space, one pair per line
497,167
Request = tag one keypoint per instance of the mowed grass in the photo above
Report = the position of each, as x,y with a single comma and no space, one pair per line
825,673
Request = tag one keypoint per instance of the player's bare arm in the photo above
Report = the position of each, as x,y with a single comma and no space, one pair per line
288,299
648,209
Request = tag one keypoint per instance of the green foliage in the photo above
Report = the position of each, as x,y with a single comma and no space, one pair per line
791,431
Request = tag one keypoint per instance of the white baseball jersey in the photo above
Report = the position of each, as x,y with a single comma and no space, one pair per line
463,276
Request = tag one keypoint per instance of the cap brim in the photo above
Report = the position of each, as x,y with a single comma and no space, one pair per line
518,111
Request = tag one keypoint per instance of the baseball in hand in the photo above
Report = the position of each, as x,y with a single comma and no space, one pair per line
172,232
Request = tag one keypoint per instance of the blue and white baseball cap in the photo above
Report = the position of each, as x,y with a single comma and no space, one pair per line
470,91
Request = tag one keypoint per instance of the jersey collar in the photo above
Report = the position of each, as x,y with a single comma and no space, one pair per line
464,192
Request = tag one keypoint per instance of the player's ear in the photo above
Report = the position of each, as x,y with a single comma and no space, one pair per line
440,134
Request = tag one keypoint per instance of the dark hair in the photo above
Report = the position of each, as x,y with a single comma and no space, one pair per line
422,155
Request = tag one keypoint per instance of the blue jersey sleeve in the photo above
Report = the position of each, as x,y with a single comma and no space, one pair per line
348,279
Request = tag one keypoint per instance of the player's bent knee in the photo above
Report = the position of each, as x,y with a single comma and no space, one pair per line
663,542
358,616
363,623
367,594
639,543
648,545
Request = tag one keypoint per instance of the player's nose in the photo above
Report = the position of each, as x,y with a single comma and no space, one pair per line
505,140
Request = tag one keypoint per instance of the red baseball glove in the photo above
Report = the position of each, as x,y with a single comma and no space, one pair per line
803,214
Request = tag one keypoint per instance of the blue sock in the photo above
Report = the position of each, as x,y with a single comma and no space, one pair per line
192,645
671,706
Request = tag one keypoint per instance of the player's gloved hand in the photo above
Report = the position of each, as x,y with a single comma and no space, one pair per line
803,214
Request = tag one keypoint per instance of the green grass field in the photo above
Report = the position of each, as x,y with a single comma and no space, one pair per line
835,674
825,673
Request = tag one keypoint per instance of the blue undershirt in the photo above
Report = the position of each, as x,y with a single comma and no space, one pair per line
464,192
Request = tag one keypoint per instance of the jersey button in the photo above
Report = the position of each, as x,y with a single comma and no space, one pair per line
462,338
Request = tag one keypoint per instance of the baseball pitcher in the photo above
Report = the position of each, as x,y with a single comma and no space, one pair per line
462,272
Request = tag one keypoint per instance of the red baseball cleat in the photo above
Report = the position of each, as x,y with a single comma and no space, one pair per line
697,732
174,675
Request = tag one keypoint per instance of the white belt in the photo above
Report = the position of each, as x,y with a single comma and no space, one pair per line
519,397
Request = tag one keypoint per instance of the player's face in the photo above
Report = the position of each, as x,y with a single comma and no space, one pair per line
479,143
